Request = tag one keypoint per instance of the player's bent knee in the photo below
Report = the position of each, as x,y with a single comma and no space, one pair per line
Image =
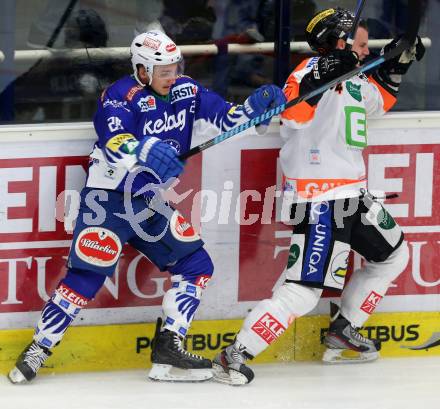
398,259
86,283
196,268
297,299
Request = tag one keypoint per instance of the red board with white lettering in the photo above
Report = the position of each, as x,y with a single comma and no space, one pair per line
34,244
248,258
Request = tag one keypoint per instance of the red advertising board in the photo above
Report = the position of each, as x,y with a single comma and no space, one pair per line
34,244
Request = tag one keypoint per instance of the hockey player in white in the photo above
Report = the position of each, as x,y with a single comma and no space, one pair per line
324,173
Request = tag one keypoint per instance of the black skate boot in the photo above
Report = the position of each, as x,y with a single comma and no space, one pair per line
344,342
229,366
28,363
172,362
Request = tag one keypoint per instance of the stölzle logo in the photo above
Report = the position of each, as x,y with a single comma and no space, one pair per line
98,246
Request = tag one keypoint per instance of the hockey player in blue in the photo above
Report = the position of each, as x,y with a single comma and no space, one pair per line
143,122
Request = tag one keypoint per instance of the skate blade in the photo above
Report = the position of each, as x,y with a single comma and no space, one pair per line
347,356
16,377
169,373
232,377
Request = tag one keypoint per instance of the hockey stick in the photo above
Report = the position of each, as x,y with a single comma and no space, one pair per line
357,19
405,42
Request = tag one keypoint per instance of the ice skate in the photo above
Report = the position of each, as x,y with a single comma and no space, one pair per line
28,363
345,344
229,367
172,362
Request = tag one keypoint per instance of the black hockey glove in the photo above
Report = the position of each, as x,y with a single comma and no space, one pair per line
401,63
328,68
389,74
333,65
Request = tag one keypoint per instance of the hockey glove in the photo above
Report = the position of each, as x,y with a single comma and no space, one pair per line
263,98
401,63
327,68
159,157
389,74
333,65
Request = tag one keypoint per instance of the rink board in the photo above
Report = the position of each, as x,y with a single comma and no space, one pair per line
42,166
114,347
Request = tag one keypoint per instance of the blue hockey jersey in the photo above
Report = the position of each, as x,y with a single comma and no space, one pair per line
128,112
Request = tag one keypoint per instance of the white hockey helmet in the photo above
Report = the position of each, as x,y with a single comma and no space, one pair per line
153,48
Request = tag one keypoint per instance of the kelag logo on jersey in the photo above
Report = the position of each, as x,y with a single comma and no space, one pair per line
165,124
183,91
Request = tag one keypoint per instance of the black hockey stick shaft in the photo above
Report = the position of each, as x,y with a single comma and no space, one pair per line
61,23
357,19
404,43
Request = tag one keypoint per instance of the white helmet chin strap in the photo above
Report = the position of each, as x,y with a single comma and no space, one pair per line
150,76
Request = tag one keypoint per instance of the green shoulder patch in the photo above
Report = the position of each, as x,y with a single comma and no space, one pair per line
354,90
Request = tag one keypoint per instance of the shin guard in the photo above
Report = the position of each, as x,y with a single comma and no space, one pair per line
271,317
369,284
57,315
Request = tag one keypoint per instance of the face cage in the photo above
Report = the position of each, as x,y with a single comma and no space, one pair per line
340,31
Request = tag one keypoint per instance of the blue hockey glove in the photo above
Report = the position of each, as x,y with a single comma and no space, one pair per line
160,157
263,98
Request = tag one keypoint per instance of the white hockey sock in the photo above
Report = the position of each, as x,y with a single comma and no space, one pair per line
271,317
369,284
180,304
57,315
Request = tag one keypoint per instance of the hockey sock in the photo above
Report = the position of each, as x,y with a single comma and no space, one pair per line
271,317
183,298
180,304
65,304
368,285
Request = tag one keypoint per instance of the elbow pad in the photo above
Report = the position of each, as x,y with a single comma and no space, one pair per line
390,82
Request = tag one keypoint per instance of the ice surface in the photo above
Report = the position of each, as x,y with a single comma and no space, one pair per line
403,383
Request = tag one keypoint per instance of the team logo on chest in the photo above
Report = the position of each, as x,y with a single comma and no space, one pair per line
167,123
147,103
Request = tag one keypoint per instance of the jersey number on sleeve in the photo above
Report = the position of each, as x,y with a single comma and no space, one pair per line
356,126
114,123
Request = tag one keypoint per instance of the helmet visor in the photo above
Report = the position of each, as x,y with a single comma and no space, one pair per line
166,72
